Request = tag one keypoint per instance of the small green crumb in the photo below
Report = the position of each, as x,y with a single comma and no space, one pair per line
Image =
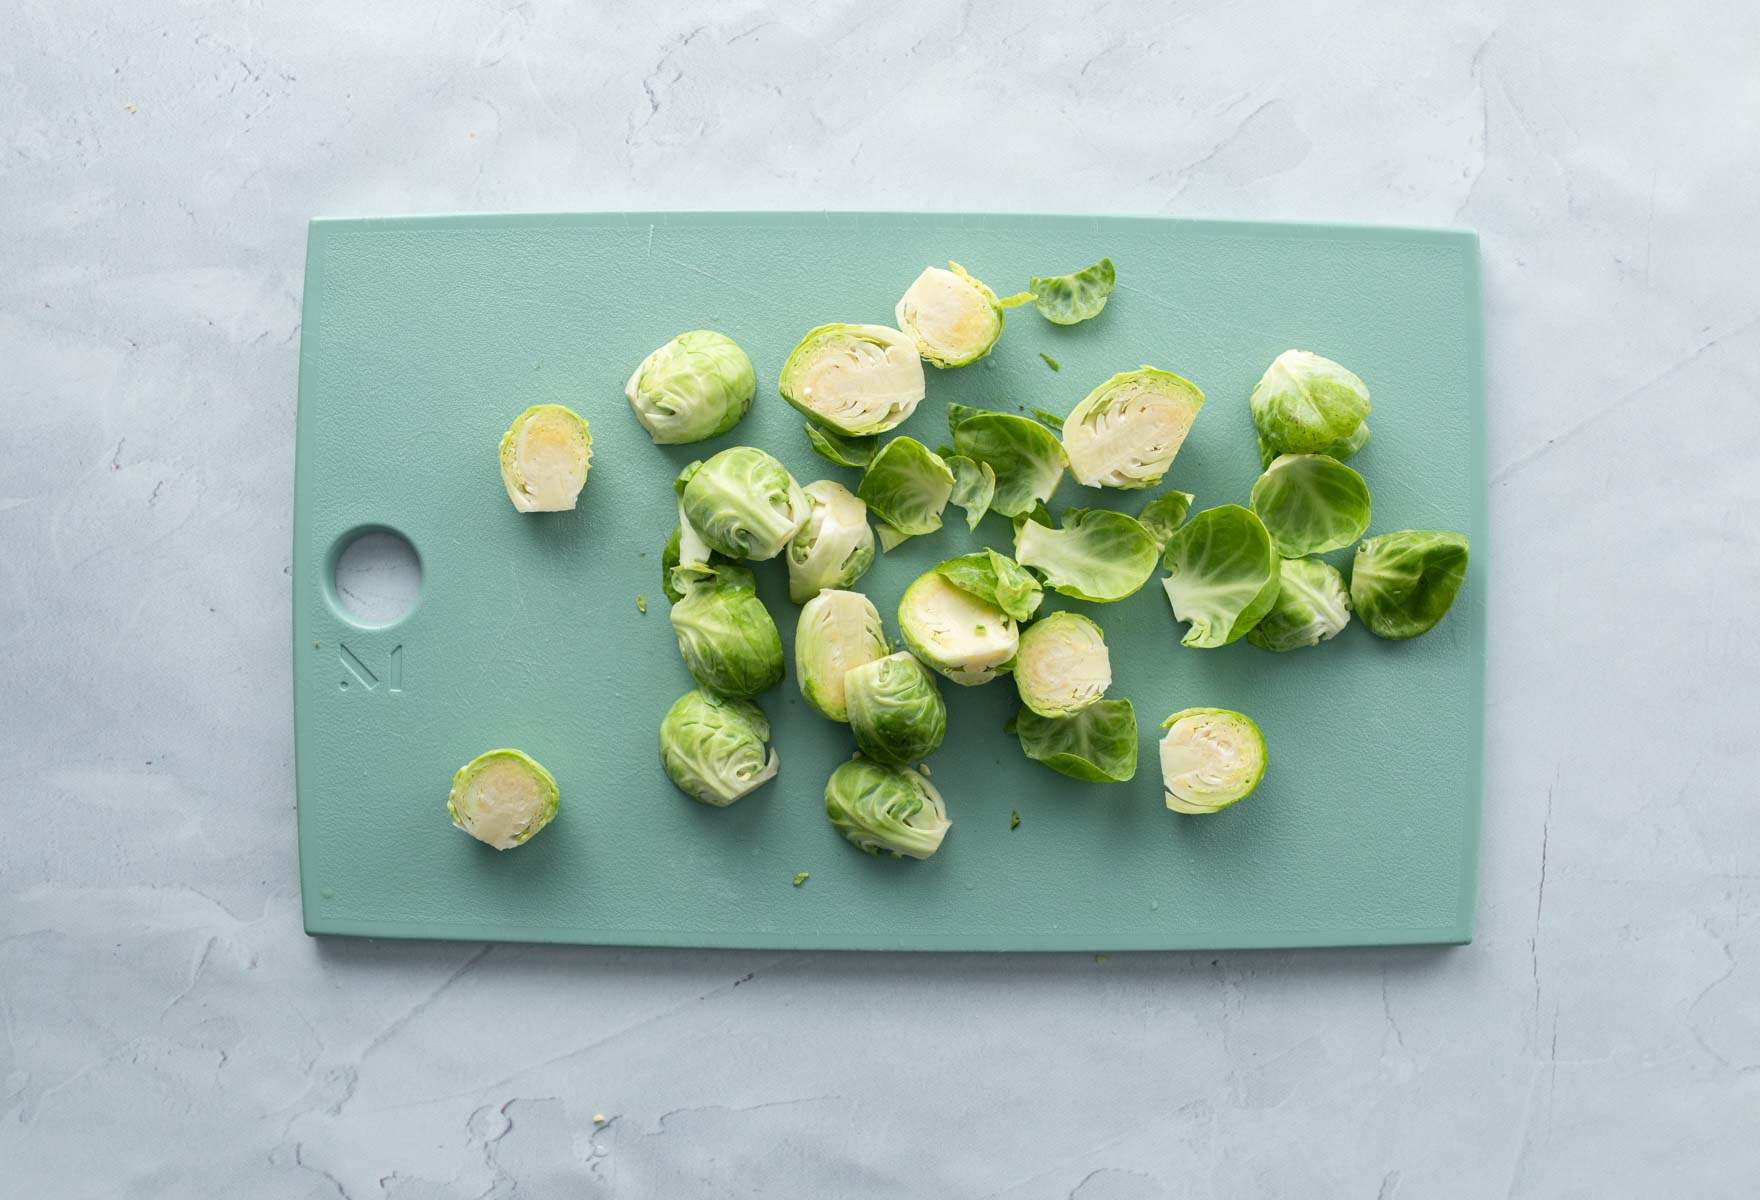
1051,362
641,603
1099,958
801,877
1014,819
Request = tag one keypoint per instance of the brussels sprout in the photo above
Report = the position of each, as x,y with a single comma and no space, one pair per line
1311,503
696,386
544,458
725,633
857,379
1311,607
743,503
1098,555
673,556
974,486
837,631
1304,403
837,448
1125,432
1062,666
997,580
1027,459
1224,575
1210,758
714,749
1098,744
953,318
1067,299
1164,514
834,548
955,632
886,809
1403,583
907,485
895,709
502,798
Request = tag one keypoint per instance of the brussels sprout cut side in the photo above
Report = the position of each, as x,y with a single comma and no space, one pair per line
953,318
837,632
716,750
696,386
502,798
1304,404
856,379
1125,433
1311,503
1403,583
895,709
1223,575
961,636
1069,299
1063,665
544,458
725,634
886,810
1096,745
1311,607
1210,758
743,503
834,548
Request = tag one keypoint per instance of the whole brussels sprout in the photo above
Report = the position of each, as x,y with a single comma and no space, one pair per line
544,458
895,709
1125,433
743,503
1063,665
1403,583
960,635
725,633
696,386
837,631
953,318
886,810
1311,607
1304,403
836,545
857,379
714,749
502,798
1210,758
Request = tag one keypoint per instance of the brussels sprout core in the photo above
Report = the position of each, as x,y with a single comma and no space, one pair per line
696,386
858,379
544,457
1063,665
953,318
837,632
1125,433
888,810
502,798
955,632
1210,758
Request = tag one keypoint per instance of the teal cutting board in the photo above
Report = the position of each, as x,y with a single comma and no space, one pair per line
424,337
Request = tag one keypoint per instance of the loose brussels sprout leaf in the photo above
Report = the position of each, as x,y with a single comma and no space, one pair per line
1098,744
1068,299
1210,758
716,750
1224,575
953,318
886,809
895,709
1164,514
1098,555
744,503
835,447
1125,432
1027,459
1311,503
1063,665
856,379
725,633
1311,607
907,485
1047,418
997,580
837,631
974,485
1403,583
1304,403
961,636
544,458
890,538
673,556
834,548
502,798
696,386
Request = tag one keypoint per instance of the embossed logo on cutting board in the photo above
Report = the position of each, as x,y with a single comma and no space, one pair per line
355,665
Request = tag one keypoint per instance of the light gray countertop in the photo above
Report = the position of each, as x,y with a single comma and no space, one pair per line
166,1029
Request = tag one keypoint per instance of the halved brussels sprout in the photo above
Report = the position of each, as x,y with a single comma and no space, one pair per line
997,580
857,379
696,386
837,631
841,449
955,632
1311,607
885,809
1067,299
544,458
1224,575
714,749
1125,432
1311,503
1063,665
743,503
1210,758
974,486
953,318
1027,460
1164,514
834,548
907,485
1403,583
895,709
725,634
502,798
1097,745
1304,403
1098,555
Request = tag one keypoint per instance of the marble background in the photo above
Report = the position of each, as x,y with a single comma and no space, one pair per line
167,1030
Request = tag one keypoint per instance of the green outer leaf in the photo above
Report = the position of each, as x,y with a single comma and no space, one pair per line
890,538
726,635
1027,459
1224,575
716,750
1304,403
1098,744
1312,606
1047,418
974,486
1068,299
1164,514
886,809
1403,583
895,709
840,448
906,486
744,503
1311,503
996,579
1098,555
